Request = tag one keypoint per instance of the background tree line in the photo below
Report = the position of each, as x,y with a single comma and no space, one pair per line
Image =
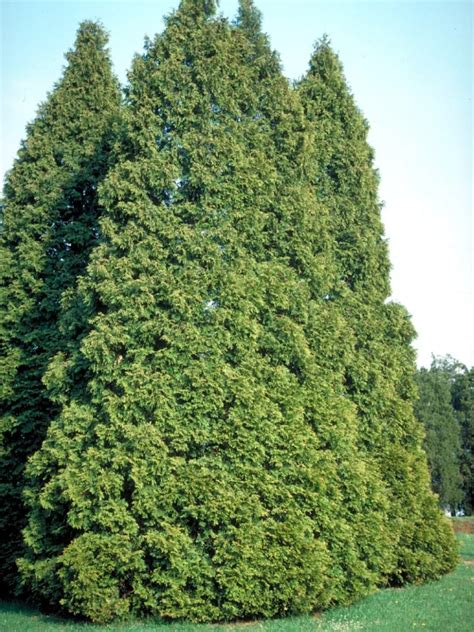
446,409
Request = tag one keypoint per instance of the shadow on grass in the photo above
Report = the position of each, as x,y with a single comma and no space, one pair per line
25,611
23,617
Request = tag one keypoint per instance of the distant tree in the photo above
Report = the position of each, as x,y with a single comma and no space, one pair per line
463,403
451,459
48,226
434,409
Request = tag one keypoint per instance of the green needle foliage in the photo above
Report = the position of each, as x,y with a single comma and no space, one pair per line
48,226
379,370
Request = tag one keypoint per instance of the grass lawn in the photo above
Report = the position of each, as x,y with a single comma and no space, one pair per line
443,606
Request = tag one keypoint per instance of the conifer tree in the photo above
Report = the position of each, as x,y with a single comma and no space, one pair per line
356,530
379,372
204,462
48,226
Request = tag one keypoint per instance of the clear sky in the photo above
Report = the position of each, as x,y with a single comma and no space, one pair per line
410,67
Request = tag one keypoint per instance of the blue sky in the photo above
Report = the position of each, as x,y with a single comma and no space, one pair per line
410,67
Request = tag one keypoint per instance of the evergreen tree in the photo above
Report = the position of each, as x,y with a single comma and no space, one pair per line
442,443
355,531
204,462
48,226
380,368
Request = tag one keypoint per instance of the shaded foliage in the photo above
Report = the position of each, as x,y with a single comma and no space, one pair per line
462,393
48,227
446,408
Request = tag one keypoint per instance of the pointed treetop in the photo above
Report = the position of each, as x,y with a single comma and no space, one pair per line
91,38
249,22
324,42
91,33
249,17
324,60
199,8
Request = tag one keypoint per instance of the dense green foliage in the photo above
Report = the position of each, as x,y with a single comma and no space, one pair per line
446,408
48,227
462,394
228,396
436,606
207,468
380,365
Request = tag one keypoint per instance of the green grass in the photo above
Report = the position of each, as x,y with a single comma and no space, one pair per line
443,606
467,546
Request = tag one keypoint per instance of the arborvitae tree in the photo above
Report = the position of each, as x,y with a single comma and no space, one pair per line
48,226
443,433
356,531
462,397
379,373
204,462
